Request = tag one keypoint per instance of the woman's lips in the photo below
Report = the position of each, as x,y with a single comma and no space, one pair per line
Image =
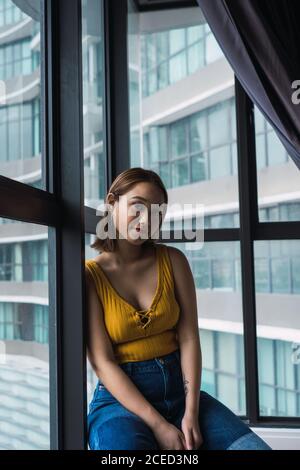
139,229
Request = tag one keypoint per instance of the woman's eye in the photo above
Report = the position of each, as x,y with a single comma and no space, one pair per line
139,207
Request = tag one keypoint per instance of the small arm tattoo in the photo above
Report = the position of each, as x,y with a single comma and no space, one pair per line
185,382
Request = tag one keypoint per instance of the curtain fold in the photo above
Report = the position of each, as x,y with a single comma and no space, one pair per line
261,41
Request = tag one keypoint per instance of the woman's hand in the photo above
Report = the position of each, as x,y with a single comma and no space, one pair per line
169,436
191,431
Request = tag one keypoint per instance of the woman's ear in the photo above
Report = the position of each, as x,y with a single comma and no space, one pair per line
110,198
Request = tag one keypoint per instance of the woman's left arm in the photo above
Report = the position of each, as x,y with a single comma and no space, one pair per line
189,344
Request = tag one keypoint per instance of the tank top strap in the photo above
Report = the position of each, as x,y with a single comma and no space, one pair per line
101,287
89,266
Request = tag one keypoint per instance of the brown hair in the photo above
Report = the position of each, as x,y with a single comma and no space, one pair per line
121,185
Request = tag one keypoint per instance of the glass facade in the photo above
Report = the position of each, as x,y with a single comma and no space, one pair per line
278,197
9,14
223,373
24,301
93,103
279,379
169,56
24,337
277,278
20,95
193,149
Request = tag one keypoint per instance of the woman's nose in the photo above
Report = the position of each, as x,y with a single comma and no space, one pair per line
143,218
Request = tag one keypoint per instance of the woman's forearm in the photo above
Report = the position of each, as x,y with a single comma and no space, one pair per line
191,367
124,390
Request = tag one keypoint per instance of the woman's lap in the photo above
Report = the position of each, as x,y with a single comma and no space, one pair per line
111,426
221,429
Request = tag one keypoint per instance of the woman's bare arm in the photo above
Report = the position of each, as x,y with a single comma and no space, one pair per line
187,329
101,356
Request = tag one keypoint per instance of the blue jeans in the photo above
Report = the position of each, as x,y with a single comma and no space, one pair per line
111,426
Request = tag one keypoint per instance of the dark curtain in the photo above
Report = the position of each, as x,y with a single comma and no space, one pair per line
261,41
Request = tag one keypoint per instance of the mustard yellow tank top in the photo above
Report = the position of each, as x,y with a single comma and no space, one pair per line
139,335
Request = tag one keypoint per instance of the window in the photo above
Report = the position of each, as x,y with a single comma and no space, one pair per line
93,103
20,96
24,336
17,58
175,53
9,14
273,161
277,292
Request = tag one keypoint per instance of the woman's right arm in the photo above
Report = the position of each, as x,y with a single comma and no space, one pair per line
101,356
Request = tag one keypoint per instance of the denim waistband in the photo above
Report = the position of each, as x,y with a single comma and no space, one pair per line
156,362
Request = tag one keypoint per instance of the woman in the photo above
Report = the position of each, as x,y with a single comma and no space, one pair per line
143,339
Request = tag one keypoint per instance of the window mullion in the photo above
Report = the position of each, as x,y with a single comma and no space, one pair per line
248,223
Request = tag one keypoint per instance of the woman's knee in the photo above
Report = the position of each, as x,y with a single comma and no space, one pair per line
249,441
219,425
122,433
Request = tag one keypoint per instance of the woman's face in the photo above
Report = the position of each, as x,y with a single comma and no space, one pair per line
138,213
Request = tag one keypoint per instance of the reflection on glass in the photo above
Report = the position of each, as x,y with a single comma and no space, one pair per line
93,109
278,177
24,337
277,279
217,275
20,92
180,126
177,51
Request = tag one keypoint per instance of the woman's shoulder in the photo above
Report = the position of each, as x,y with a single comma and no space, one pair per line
98,259
92,266
89,263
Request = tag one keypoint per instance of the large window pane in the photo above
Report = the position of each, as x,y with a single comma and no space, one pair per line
278,177
24,337
20,93
278,329
180,126
93,109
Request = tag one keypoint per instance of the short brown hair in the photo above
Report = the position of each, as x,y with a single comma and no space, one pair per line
121,185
